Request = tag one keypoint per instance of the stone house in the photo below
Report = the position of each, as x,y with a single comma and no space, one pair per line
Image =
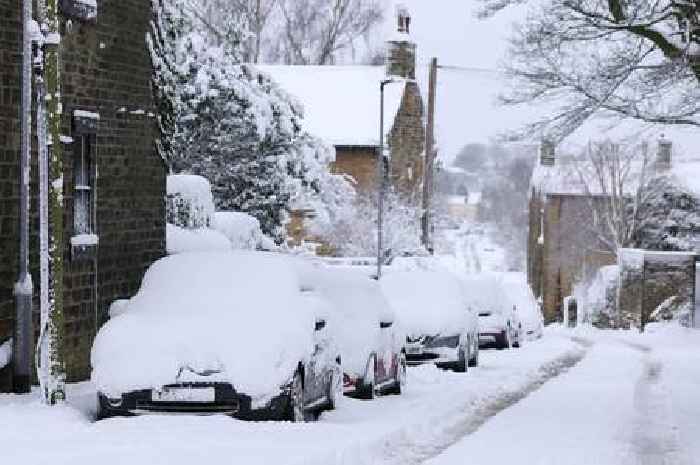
114,181
342,106
562,247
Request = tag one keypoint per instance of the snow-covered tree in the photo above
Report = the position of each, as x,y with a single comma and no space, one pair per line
355,234
671,216
230,123
635,59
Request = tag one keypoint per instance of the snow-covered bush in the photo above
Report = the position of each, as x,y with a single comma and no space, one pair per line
190,202
242,230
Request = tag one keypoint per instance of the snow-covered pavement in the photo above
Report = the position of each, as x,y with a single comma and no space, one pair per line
436,410
633,400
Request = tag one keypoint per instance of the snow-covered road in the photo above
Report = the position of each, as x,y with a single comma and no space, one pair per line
437,409
585,397
629,402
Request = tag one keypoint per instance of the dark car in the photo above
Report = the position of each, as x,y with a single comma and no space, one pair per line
203,337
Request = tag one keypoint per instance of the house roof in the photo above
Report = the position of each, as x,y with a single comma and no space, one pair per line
341,103
568,177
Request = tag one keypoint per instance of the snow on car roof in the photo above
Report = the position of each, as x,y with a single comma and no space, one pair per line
426,302
240,313
341,103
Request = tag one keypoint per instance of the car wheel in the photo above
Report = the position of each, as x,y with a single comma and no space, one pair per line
296,399
335,389
368,382
463,362
503,341
400,376
474,361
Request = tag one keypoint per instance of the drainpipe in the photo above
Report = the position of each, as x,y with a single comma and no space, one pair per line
23,339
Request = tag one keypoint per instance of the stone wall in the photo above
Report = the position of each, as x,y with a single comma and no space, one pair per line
105,69
570,250
407,144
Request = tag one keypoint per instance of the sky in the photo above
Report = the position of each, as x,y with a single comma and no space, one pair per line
466,107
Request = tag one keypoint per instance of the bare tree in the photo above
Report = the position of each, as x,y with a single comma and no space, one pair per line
622,58
615,180
315,31
224,19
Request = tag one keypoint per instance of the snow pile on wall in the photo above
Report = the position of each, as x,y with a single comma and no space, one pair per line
358,306
190,201
426,302
5,353
180,240
242,230
241,314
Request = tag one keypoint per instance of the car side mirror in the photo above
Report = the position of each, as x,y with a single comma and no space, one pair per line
320,324
385,324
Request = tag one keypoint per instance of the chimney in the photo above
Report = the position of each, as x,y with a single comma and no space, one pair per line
547,153
401,51
663,156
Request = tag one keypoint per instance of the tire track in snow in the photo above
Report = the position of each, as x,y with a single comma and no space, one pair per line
654,437
408,447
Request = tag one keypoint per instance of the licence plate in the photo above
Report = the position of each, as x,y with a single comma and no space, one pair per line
414,350
184,394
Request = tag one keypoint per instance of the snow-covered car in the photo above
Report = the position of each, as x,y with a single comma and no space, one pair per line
432,308
499,322
362,322
218,332
527,309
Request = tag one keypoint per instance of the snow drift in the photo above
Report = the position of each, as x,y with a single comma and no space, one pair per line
240,314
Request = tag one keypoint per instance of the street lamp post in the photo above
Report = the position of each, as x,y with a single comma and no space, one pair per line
381,179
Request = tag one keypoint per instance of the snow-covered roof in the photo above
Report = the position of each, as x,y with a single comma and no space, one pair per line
341,103
567,175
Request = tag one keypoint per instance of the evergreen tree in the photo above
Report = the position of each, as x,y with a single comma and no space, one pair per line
228,122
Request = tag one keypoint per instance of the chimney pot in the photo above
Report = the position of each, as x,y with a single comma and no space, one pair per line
401,52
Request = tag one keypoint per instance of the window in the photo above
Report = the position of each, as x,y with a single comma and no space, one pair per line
84,172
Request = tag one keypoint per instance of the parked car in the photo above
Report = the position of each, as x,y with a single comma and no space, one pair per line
440,326
528,310
499,321
363,324
224,332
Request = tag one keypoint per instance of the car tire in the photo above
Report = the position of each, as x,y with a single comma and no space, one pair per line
335,388
517,343
400,376
367,391
295,411
503,341
474,361
462,364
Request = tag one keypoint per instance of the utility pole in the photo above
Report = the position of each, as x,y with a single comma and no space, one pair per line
429,165
381,180
23,334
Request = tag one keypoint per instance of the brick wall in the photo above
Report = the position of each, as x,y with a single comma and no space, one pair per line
106,69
